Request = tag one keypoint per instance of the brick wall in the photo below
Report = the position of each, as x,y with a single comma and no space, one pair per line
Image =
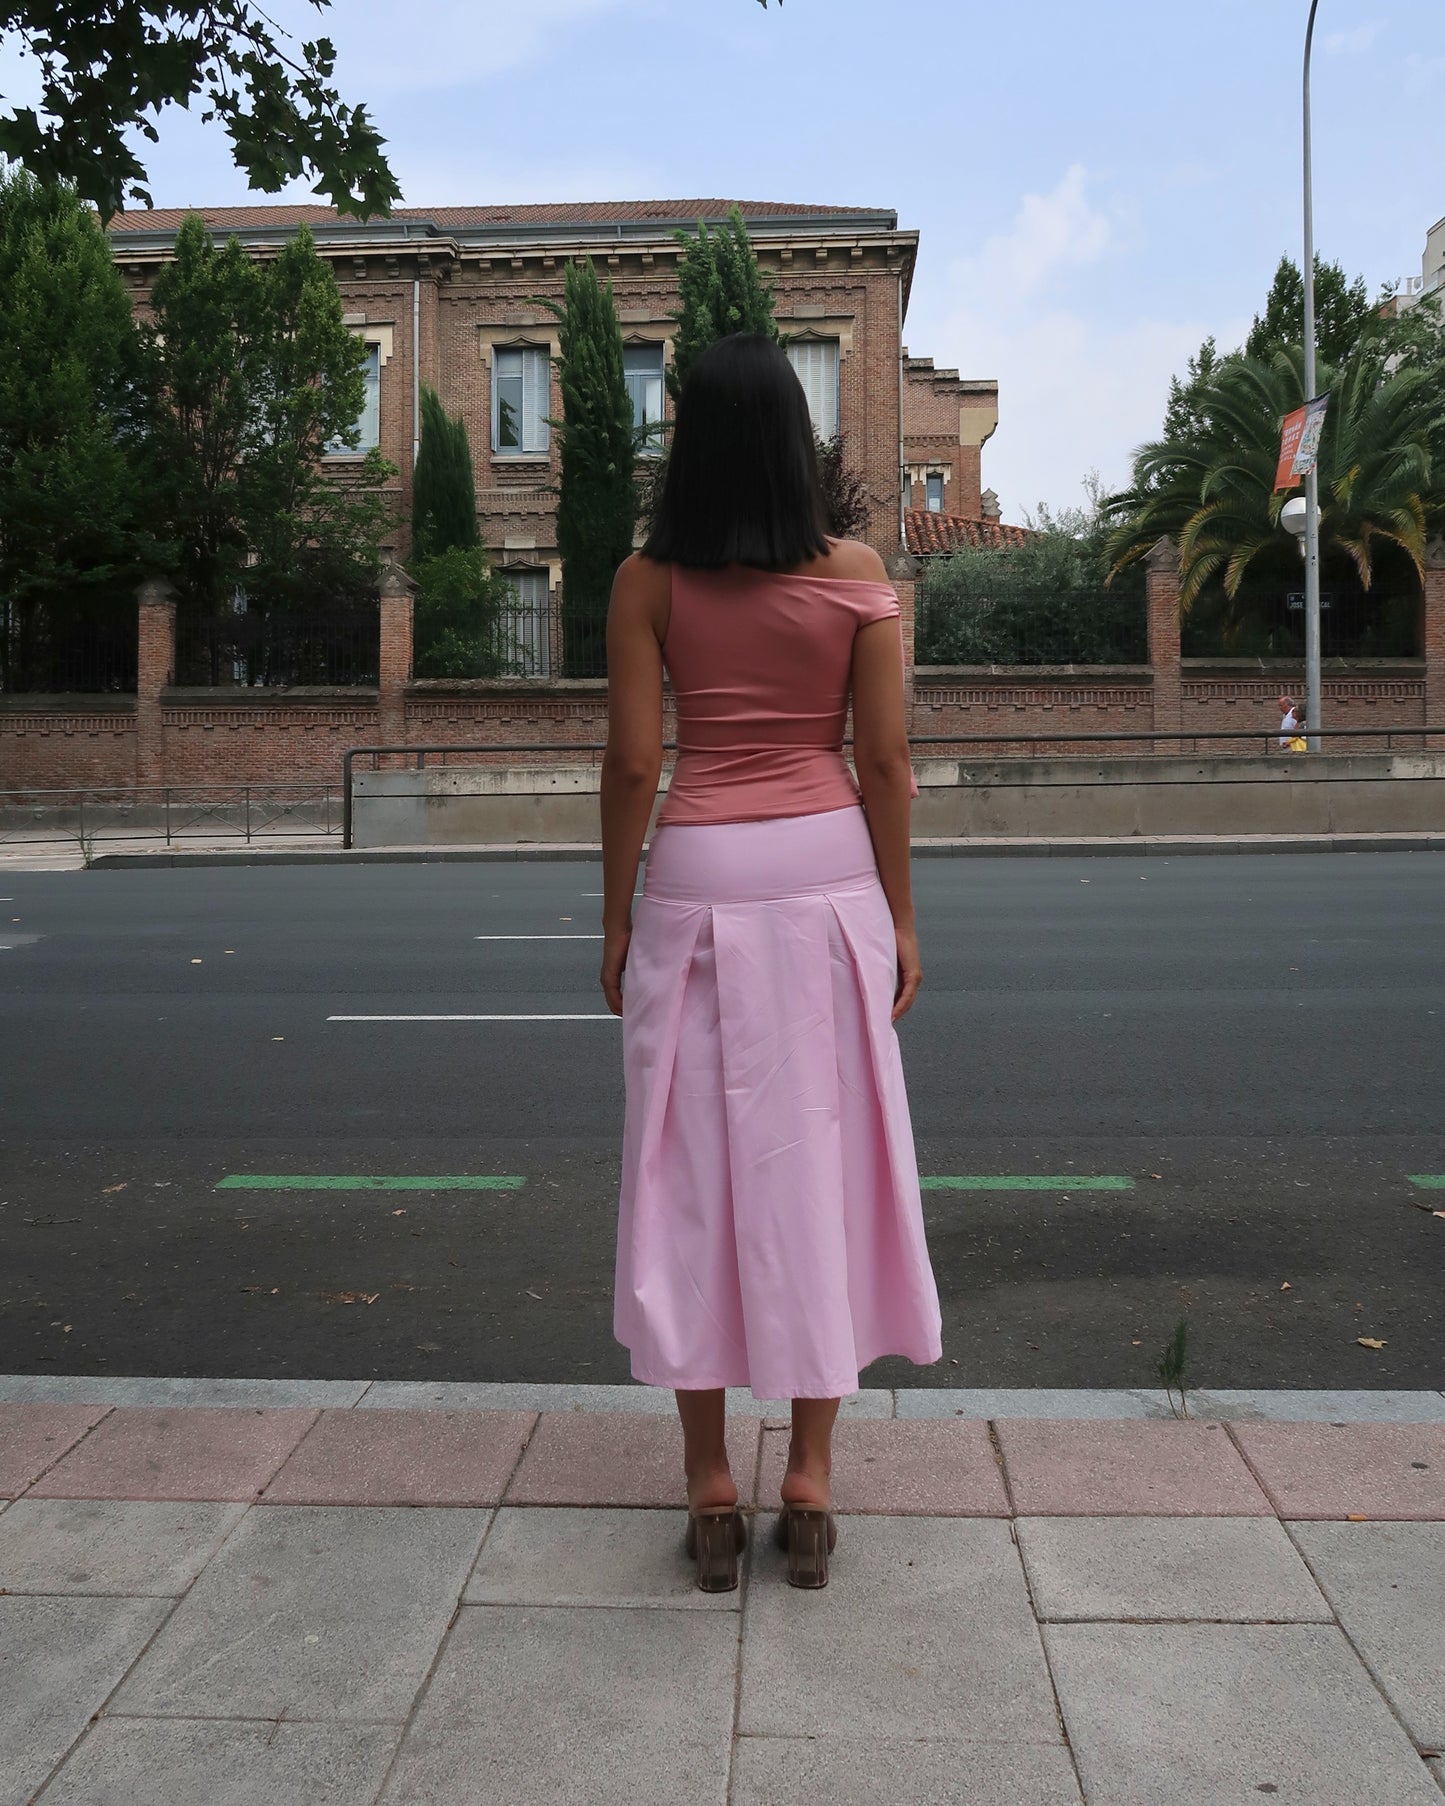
946,422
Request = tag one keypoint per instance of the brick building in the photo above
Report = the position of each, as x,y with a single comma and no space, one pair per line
452,297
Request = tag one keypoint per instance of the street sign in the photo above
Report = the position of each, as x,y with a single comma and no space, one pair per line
1295,598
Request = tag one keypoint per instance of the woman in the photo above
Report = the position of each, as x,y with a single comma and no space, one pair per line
770,1232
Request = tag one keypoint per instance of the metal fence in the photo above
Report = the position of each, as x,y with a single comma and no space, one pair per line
87,819
534,633
986,617
67,649
1353,624
275,648
1240,742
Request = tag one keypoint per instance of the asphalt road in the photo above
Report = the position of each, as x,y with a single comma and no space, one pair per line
1256,1044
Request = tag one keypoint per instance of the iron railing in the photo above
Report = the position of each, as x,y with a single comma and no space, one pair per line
55,649
340,647
1181,743
168,812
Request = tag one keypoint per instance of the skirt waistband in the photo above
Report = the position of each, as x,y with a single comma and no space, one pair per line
758,861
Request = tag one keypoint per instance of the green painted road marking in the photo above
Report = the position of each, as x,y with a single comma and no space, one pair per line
1427,1181
1026,1182
363,1182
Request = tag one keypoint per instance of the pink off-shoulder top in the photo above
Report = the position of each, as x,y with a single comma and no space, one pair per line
760,666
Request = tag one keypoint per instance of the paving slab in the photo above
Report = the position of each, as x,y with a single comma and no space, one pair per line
513,1395
1242,1569
618,1458
898,1469
127,1547
799,1771
923,1630
1276,1406
1378,1470
552,1707
121,1389
545,1555
35,1436
311,1611
59,1660
1029,1401
209,1452
1216,1714
205,1762
1123,1469
404,1458
651,1401
1386,1583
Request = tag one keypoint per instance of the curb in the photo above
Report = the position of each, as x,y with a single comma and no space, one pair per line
1097,1404
1099,847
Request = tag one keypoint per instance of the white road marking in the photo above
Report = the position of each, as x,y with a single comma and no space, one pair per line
536,937
604,1016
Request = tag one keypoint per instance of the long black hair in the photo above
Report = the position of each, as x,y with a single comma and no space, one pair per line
741,485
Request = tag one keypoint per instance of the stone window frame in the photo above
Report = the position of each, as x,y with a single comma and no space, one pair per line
382,335
528,334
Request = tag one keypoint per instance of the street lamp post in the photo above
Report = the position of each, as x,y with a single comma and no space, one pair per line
1312,480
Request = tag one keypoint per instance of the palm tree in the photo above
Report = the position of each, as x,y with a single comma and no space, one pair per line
1381,463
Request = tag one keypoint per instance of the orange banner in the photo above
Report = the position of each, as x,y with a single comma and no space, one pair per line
1289,438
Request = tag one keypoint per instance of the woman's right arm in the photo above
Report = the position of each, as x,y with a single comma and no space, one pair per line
885,777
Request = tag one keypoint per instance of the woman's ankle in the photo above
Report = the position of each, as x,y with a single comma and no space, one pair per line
711,1486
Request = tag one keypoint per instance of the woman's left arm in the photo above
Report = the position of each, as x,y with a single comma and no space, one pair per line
632,763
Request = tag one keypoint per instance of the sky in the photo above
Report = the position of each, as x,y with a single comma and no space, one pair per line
1097,186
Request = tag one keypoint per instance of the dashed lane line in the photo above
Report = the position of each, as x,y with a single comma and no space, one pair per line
371,1182
1026,1182
603,1016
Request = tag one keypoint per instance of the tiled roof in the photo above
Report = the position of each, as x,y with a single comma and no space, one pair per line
925,533
543,213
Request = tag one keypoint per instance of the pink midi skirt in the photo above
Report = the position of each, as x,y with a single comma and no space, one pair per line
771,1232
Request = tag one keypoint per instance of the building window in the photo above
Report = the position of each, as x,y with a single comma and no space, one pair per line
527,625
934,502
642,366
521,397
816,362
368,421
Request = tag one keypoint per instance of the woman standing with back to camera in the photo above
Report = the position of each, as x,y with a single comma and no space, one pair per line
771,1232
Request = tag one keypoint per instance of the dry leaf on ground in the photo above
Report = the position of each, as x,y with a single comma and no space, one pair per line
1369,1342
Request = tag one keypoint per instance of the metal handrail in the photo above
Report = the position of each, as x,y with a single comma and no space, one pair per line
1268,737
200,796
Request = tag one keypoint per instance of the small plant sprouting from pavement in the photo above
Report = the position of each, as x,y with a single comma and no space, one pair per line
1171,1368
86,837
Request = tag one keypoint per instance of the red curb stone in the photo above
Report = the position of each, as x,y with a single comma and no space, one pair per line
619,1458
1126,1468
1375,1470
387,1457
216,1452
32,1436
900,1469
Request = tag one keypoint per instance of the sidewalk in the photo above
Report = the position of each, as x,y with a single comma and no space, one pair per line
343,1592
20,855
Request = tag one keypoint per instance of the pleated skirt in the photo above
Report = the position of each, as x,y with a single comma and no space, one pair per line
770,1230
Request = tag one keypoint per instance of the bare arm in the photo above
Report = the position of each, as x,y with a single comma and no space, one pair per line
880,755
632,763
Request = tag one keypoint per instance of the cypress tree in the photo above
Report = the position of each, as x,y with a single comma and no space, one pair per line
721,290
597,504
444,491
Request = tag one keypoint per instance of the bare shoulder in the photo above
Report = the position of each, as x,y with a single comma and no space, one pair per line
642,591
852,560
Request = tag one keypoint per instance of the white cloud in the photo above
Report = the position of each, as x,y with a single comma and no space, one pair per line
1051,232
1352,43
1078,390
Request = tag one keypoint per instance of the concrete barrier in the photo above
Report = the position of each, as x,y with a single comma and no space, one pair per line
1325,793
